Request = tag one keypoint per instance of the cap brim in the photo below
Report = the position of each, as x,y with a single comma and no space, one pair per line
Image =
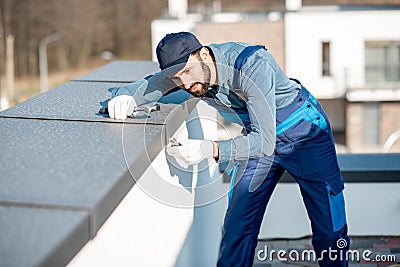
175,67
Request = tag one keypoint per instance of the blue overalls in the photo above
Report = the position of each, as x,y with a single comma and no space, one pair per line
305,149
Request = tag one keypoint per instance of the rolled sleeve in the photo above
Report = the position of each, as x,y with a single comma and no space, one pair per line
225,150
149,89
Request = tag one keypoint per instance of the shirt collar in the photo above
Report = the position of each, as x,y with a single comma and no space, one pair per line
223,69
225,73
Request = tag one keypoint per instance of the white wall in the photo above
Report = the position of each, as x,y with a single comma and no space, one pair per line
347,32
372,209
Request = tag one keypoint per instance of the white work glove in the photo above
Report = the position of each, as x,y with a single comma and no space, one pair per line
121,107
191,152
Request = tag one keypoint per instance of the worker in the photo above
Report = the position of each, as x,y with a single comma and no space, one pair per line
285,129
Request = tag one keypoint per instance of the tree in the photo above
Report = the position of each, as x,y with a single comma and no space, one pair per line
87,28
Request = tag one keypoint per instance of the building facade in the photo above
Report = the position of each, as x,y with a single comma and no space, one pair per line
351,61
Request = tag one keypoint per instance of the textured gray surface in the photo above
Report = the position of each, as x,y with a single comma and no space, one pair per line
64,167
79,101
40,237
73,164
121,71
130,71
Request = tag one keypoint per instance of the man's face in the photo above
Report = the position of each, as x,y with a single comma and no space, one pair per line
194,77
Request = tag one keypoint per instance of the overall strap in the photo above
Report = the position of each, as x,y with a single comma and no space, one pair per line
241,59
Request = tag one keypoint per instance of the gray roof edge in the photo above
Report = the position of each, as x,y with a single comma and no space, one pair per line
102,208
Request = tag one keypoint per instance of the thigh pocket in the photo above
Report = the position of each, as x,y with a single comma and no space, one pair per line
316,157
337,206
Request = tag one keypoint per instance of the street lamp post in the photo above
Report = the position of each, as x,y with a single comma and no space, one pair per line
44,84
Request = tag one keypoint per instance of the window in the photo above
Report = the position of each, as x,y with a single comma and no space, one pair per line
382,61
326,59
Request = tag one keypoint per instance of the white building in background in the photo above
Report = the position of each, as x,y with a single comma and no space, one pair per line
177,19
349,58
334,48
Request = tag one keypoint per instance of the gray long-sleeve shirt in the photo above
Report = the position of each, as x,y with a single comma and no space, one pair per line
262,84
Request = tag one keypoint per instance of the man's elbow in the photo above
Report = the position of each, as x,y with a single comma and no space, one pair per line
268,144
268,150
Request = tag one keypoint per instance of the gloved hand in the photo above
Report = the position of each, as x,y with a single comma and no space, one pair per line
121,107
191,152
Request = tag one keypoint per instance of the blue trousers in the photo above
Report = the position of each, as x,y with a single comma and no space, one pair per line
305,149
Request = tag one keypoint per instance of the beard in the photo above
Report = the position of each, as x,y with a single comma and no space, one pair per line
206,80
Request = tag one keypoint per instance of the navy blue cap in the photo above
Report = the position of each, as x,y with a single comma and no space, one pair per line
175,49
